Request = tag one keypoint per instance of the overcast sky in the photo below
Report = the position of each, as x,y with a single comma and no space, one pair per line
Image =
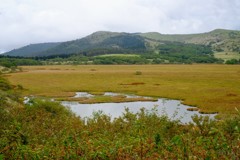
34,21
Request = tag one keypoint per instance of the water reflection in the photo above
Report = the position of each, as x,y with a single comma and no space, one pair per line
172,108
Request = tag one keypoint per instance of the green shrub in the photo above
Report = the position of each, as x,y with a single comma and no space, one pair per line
232,61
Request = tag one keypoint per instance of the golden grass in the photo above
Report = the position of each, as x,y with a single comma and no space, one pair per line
212,88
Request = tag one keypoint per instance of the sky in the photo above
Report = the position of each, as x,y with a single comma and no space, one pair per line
24,22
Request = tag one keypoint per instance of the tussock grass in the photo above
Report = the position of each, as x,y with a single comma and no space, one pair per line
209,87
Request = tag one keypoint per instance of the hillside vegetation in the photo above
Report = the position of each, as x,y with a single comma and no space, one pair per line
102,42
219,39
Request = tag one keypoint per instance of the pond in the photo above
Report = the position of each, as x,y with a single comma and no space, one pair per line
172,108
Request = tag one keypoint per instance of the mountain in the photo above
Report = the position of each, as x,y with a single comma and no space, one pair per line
104,42
31,50
219,39
99,42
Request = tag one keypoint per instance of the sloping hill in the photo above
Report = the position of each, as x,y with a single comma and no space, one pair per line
99,41
31,50
219,39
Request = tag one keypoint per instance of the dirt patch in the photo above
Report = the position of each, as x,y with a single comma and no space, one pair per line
192,109
134,83
231,95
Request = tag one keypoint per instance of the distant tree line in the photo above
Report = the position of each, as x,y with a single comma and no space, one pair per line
17,61
233,61
120,60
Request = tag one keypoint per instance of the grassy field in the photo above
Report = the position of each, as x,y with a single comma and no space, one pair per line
227,55
209,87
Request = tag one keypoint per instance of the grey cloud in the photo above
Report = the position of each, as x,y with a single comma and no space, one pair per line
24,22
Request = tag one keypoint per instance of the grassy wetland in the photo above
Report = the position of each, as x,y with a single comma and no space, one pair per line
212,88
47,130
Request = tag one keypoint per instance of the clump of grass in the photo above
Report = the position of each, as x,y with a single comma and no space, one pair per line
138,73
93,69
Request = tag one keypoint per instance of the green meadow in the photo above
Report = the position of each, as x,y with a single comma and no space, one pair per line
227,55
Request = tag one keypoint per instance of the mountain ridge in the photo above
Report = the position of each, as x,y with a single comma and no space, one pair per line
122,42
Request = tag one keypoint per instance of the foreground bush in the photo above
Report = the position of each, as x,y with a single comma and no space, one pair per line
47,130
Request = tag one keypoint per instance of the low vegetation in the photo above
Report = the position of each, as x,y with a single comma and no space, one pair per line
47,130
104,99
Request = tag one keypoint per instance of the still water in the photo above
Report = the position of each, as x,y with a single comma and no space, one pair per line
172,108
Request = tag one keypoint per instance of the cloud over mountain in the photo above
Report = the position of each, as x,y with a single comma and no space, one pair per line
24,22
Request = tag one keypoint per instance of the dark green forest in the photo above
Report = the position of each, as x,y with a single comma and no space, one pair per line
9,62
